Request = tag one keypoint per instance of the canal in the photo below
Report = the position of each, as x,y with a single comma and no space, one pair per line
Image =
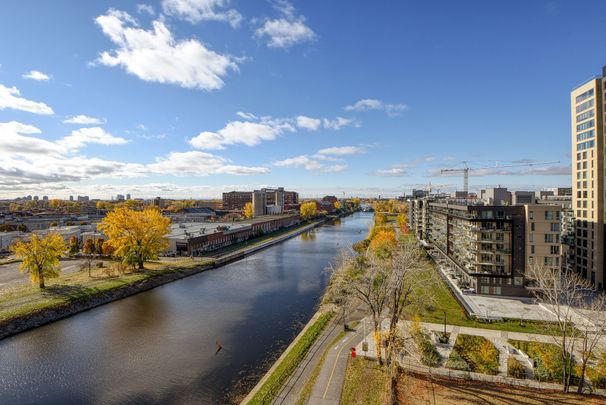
160,345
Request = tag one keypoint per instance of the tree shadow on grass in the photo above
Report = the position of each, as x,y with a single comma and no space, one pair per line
71,292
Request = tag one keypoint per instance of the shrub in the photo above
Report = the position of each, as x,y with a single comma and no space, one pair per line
478,353
429,353
515,369
456,362
547,359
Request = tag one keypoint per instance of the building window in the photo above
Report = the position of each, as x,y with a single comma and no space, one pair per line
530,215
586,125
555,227
586,145
555,250
531,249
548,238
585,115
584,106
585,135
584,96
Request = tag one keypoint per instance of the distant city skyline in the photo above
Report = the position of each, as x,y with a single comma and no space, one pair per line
184,98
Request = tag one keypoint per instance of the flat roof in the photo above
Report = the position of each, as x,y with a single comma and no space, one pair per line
189,230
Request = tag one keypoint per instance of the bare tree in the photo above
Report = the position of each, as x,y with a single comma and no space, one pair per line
566,294
593,329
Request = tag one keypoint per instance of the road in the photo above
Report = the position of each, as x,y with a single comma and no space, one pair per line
11,276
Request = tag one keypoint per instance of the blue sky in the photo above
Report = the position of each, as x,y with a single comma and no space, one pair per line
190,98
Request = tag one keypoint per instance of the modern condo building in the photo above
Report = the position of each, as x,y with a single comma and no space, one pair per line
587,112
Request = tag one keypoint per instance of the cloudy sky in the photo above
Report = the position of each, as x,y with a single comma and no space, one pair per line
190,98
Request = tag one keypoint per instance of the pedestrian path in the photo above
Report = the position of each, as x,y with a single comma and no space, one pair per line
329,384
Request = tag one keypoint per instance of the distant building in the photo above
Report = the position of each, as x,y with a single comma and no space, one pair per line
45,198
543,235
523,197
192,239
128,196
83,198
496,196
120,197
71,198
236,200
259,203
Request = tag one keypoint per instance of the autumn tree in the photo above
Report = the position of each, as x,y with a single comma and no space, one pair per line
248,210
308,210
337,205
383,243
356,203
89,247
136,236
99,245
40,256
74,246
402,221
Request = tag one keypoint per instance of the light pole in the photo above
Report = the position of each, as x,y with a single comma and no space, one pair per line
444,322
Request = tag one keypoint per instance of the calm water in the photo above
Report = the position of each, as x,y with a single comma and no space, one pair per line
159,346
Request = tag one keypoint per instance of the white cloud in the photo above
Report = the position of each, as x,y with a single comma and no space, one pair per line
195,11
246,116
236,132
196,163
84,120
287,30
10,98
339,123
303,161
145,8
311,124
392,171
156,56
36,75
26,159
93,135
14,141
342,150
368,104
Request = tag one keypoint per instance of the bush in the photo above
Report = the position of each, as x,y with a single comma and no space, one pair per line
429,354
456,362
547,359
478,353
515,369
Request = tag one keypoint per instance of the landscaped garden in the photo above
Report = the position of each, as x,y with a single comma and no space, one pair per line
474,353
547,359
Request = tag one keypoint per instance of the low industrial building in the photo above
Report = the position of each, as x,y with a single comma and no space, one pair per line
192,239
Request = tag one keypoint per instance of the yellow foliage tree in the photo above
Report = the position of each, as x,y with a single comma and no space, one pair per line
248,210
308,210
356,202
337,205
40,256
383,243
136,236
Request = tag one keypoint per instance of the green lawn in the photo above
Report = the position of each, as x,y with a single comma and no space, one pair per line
25,299
437,300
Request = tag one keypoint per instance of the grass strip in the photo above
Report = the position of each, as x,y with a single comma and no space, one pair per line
290,362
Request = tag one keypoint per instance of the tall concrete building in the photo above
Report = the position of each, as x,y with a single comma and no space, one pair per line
259,203
587,113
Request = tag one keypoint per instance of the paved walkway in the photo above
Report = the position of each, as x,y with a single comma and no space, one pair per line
291,390
329,384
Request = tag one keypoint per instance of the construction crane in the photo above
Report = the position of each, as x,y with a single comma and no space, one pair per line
465,170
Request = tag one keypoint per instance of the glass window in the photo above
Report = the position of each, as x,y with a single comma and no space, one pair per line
586,125
584,96
585,115
585,135
585,106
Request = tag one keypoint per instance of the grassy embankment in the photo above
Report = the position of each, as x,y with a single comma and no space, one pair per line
22,300
290,362
438,299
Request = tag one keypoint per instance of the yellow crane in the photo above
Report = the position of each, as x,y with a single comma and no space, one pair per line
465,170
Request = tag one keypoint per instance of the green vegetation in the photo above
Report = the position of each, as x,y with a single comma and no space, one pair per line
429,354
547,358
24,300
443,301
515,369
474,353
365,383
290,362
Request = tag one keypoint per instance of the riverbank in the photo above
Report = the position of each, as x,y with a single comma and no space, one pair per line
26,307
